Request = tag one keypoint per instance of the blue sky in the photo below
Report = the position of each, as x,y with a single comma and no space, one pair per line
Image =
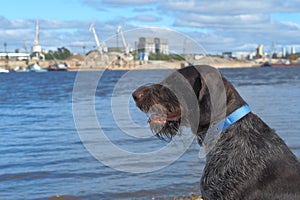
217,25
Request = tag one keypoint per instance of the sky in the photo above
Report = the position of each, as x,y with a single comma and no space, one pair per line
217,25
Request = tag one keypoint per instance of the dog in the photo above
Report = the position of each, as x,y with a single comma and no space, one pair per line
245,158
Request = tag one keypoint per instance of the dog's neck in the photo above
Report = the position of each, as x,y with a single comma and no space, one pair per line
216,129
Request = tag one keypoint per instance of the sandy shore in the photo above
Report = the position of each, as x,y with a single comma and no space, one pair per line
84,63
156,65
90,64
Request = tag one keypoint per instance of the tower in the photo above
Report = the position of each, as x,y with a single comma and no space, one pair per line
36,41
293,50
283,52
259,51
36,48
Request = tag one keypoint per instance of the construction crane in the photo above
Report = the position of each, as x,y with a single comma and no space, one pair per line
25,46
125,44
101,47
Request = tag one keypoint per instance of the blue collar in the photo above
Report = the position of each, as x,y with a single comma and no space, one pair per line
224,124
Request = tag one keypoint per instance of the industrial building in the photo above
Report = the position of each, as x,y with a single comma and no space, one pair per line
148,45
15,56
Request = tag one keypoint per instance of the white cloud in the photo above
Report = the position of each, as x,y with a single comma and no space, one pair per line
142,9
129,2
117,3
228,23
222,21
14,24
291,25
146,18
217,25
231,24
231,7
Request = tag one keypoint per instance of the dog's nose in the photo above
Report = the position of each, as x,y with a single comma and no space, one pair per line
138,94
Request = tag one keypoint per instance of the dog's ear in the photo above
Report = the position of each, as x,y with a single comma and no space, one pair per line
202,89
211,83
197,86
234,99
217,90
192,75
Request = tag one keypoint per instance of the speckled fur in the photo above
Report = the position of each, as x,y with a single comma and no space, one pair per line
249,160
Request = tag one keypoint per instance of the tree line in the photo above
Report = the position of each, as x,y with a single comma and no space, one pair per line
59,54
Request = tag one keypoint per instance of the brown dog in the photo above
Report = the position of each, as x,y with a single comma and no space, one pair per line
246,159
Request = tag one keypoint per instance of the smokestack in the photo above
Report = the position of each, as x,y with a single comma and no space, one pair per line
283,52
293,50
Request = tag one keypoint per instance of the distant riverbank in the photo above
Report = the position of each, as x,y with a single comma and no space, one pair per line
90,64
84,63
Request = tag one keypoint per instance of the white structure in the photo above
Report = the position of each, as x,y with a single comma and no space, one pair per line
36,50
15,56
243,55
3,70
101,47
124,42
239,55
293,50
259,51
283,52
161,46
148,45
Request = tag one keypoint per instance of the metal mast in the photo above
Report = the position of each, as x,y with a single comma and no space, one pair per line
101,47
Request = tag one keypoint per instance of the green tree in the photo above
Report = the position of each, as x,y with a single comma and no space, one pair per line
159,56
294,56
60,54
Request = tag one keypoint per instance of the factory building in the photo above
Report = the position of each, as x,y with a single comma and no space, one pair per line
148,45
15,56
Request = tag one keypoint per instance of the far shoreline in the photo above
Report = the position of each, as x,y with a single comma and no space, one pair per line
82,63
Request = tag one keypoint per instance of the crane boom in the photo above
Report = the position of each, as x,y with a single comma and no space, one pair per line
25,46
101,47
125,44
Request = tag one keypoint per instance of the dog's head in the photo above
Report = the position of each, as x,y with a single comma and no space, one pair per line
163,108
196,96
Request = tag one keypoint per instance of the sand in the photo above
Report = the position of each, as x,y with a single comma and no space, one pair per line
92,63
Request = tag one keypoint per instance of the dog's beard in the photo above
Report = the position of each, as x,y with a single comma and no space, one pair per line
164,124
165,130
164,111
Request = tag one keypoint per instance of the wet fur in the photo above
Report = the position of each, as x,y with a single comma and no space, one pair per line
249,160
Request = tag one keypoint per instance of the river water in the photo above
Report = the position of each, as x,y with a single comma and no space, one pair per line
49,142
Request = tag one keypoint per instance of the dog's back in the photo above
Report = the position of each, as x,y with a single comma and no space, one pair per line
250,161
